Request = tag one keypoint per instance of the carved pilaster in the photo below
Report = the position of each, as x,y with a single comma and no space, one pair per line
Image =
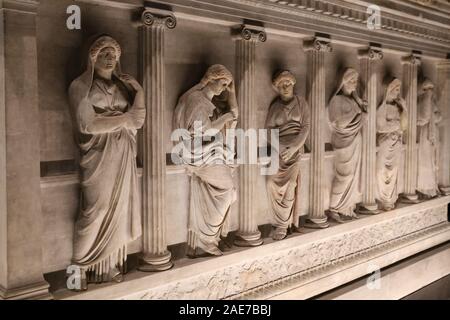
444,106
246,39
156,257
21,218
410,67
368,59
315,50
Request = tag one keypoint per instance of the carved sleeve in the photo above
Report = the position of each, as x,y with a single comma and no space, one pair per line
306,121
196,116
89,122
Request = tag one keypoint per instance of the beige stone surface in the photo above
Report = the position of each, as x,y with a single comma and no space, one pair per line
39,57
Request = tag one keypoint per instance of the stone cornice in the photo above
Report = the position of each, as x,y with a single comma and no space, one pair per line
420,28
24,6
346,23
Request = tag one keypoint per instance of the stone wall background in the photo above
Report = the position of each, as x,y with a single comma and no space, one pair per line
190,48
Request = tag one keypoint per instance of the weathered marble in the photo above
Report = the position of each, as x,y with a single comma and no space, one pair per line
346,116
106,120
198,120
290,115
155,257
369,61
316,49
391,124
428,118
246,39
37,213
410,69
21,225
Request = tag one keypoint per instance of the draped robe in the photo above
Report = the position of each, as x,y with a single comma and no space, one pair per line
110,203
212,188
428,116
346,122
293,121
389,151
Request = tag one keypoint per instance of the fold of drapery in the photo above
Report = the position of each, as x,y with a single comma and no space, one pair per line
292,121
390,124
346,122
206,160
110,209
428,117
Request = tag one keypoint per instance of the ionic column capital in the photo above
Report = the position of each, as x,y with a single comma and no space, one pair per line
371,53
154,17
249,33
412,59
318,44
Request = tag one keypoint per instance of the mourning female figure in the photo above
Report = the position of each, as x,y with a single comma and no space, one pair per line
428,117
206,158
290,114
346,119
107,108
391,124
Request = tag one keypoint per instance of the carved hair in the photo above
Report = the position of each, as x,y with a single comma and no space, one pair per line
102,43
349,74
283,76
216,72
392,85
424,84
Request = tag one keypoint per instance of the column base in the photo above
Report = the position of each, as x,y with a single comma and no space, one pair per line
38,291
156,263
410,198
445,190
317,223
248,239
368,209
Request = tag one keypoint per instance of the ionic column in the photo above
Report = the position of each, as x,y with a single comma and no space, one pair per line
155,257
248,234
410,67
368,59
315,82
21,218
443,69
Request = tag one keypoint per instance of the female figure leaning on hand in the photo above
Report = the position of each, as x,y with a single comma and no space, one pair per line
212,188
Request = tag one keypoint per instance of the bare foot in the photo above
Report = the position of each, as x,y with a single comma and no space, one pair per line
279,233
336,217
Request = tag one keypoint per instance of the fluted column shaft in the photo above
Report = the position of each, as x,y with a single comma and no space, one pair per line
156,257
248,233
444,106
410,67
315,50
368,59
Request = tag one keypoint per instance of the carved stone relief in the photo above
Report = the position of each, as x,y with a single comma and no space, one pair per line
106,120
212,188
346,116
391,124
290,114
